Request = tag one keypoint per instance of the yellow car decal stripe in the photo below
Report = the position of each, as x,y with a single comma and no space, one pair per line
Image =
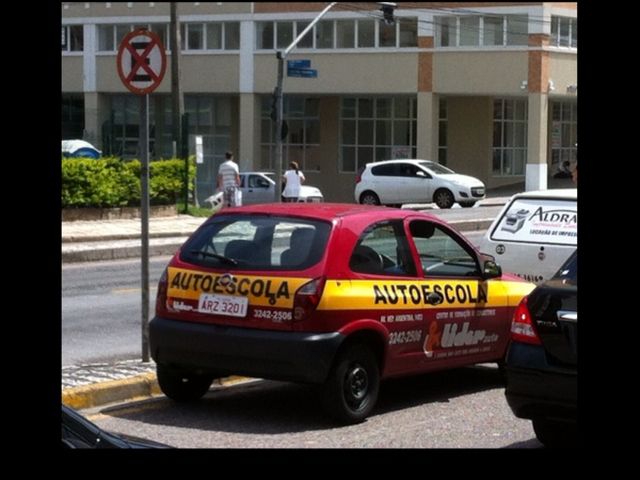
412,295
270,291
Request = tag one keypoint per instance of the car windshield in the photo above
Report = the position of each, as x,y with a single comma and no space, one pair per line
258,242
436,167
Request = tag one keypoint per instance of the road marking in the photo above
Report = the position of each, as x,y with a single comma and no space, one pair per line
131,290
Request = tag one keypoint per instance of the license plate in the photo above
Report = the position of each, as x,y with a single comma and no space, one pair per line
223,305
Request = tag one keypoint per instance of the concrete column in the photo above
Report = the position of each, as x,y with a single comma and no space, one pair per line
536,178
247,154
92,130
248,124
427,141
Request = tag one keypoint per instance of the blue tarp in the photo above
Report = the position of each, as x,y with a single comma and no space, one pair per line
79,148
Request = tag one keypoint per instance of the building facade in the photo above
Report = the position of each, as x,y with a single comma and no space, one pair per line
489,89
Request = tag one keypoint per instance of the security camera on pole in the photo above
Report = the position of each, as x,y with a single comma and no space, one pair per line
387,9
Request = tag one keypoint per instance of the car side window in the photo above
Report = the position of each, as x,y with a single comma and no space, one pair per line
383,249
256,181
389,170
441,254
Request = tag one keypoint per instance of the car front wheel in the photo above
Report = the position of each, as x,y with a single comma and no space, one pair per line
443,198
182,386
351,391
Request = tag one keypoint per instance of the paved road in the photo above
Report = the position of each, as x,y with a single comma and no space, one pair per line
101,309
463,408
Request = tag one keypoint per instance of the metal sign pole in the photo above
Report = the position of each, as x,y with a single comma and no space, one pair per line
144,218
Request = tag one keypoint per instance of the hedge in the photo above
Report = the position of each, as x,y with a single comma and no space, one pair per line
111,182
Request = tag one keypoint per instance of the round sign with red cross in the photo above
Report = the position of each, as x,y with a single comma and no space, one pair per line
141,61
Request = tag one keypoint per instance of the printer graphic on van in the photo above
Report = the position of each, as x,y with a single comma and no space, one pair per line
515,221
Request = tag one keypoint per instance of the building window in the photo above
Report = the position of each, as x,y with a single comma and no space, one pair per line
264,35
509,137
344,33
373,129
324,34
302,143
408,31
72,117
442,131
366,33
486,30
564,32
564,133
194,36
72,38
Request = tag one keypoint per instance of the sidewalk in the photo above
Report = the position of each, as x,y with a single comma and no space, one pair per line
98,240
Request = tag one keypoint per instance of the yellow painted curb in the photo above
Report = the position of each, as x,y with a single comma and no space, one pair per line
89,396
144,385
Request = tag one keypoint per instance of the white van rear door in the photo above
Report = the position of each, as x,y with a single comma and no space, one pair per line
534,236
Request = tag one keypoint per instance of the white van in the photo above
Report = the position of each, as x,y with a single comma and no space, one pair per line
534,233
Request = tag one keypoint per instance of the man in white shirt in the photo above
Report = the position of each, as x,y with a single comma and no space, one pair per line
229,181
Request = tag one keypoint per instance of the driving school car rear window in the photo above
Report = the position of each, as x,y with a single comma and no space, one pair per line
257,242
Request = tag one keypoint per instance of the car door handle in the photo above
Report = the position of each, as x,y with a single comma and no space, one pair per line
568,316
435,298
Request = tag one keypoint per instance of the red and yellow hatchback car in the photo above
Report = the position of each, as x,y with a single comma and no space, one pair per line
337,295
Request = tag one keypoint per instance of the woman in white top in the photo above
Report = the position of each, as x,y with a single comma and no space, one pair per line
292,179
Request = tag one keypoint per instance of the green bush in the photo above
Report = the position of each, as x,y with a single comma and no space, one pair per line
110,182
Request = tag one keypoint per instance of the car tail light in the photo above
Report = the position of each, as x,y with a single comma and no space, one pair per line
522,328
307,298
161,296
359,177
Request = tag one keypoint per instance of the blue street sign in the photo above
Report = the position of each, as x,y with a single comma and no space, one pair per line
302,72
298,63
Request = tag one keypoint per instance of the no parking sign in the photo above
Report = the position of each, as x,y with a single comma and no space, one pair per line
141,61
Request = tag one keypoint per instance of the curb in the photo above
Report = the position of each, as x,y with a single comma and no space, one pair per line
116,253
133,388
123,236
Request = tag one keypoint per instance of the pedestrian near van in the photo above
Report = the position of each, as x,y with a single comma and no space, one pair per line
229,181
293,179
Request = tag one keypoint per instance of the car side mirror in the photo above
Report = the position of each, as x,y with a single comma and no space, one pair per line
490,269
421,174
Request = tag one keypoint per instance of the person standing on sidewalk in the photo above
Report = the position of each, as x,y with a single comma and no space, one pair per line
229,181
292,179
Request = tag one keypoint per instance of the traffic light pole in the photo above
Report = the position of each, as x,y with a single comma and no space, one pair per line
282,55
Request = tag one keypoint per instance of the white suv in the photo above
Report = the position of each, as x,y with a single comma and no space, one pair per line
394,182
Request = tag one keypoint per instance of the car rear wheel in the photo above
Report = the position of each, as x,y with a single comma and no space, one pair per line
182,386
369,198
351,391
554,433
443,198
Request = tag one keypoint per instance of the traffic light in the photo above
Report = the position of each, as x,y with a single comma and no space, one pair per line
387,9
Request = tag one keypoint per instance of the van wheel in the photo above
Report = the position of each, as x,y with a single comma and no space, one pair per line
443,198
182,386
369,198
351,390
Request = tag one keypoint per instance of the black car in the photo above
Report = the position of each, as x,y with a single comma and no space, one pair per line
542,360
78,432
